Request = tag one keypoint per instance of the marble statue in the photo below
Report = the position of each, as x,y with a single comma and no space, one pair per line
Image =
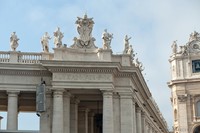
45,42
107,38
194,36
58,35
14,41
131,52
139,64
174,47
126,44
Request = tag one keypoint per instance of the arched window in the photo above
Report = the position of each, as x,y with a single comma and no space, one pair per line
197,129
198,108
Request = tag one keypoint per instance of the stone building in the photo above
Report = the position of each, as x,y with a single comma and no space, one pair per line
185,85
87,89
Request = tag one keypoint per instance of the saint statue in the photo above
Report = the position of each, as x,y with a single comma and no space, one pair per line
174,47
58,35
14,41
107,37
45,42
126,44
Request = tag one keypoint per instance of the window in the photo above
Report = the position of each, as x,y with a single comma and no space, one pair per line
198,108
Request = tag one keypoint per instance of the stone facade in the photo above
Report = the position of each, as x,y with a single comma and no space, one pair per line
88,89
184,85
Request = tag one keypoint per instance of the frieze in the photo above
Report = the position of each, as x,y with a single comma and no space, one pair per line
82,70
25,73
82,77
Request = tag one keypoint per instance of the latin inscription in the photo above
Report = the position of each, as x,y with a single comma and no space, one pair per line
81,77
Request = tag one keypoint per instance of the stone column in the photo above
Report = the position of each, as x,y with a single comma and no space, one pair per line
107,112
66,105
46,117
126,102
74,115
0,121
139,122
12,115
83,120
143,123
116,108
134,118
57,126
91,123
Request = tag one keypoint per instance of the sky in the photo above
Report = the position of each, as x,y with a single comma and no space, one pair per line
152,24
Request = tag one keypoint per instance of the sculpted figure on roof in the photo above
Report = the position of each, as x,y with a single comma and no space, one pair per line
14,41
45,42
58,35
84,28
107,37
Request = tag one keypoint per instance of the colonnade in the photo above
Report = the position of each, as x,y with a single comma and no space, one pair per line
121,114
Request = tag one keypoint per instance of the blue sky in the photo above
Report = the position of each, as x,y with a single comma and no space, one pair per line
152,24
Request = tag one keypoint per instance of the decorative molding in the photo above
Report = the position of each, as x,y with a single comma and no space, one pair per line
81,70
25,73
182,98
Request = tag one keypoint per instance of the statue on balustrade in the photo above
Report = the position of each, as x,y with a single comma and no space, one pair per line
14,41
107,38
174,47
45,42
126,44
58,35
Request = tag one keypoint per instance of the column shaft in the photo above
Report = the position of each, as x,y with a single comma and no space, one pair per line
46,117
57,126
91,123
126,102
74,116
83,120
12,115
66,105
107,112
139,122
134,118
116,107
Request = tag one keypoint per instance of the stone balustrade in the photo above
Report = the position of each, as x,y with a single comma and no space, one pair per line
23,57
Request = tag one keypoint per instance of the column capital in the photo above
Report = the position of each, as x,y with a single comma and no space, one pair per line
107,92
138,110
67,94
58,92
126,95
13,93
74,100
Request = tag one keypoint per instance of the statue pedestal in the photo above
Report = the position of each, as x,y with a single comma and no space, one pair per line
105,54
